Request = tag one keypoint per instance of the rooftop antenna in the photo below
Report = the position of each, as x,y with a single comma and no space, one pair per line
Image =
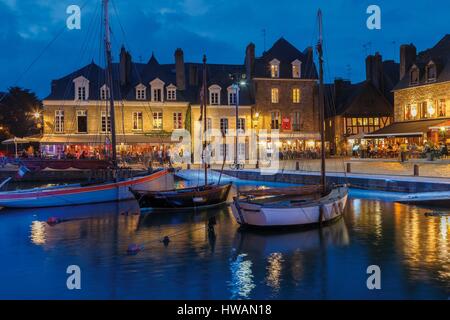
349,71
264,32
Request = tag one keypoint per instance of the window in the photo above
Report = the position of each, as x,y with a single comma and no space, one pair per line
296,69
157,121
81,88
177,120
59,121
224,150
81,93
231,98
82,121
214,95
171,93
414,77
224,125
157,86
141,92
137,121
241,150
106,121
296,95
275,96
104,93
296,121
275,68
241,125
208,124
157,95
275,120
442,112
424,110
431,72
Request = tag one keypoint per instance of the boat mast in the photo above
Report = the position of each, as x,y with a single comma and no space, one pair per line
321,104
109,79
205,122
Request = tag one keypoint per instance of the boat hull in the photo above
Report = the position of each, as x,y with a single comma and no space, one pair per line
189,198
77,194
323,211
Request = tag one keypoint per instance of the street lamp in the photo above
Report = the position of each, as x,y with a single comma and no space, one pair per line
239,79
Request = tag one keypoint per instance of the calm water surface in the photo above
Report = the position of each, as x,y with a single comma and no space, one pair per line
413,252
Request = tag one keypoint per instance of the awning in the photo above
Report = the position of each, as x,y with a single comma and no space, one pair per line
292,136
100,139
405,129
444,126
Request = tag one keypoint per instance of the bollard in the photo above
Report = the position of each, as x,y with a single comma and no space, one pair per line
416,170
349,167
297,166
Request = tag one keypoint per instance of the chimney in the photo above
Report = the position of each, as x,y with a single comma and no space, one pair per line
250,60
339,85
407,57
179,69
193,75
374,70
125,67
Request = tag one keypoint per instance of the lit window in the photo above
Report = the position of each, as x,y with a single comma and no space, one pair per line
137,121
296,121
177,120
157,120
275,96
59,121
296,95
106,121
275,68
296,69
442,112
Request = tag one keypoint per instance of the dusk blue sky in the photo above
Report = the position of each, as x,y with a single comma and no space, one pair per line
219,28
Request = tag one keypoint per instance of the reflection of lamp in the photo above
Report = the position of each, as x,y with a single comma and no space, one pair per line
431,109
442,129
413,111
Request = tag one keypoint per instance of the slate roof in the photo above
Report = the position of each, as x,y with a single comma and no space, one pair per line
63,88
286,53
440,55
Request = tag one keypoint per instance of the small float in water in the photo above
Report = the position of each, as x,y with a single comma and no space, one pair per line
427,199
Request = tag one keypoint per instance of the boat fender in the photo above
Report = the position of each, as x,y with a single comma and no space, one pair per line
134,249
53,221
321,214
166,241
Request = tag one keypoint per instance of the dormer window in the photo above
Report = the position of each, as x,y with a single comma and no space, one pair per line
81,88
104,92
232,96
141,92
296,69
172,93
431,72
157,90
414,76
275,68
214,94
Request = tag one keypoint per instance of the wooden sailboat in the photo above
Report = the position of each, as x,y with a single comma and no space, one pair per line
206,195
115,190
295,206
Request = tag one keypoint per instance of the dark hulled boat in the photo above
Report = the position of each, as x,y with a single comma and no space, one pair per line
186,198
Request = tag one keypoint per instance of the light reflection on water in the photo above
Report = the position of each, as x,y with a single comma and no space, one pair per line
330,263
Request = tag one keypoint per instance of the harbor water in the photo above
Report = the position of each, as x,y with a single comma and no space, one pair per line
210,257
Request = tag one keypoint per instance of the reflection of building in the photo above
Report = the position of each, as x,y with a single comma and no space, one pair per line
354,110
422,97
284,80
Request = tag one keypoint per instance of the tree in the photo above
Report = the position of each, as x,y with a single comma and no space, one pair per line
20,113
